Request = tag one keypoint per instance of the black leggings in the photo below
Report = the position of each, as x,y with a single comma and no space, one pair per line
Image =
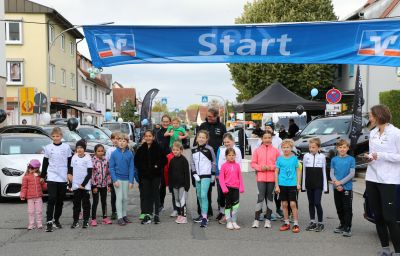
56,192
102,192
221,196
113,199
81,201
163,191
382,200
151,195
314,202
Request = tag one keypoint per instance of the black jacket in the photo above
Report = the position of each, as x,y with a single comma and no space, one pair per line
178,173
150,161
293,129
216,132
162,141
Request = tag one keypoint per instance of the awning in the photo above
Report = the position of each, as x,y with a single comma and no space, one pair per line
86,111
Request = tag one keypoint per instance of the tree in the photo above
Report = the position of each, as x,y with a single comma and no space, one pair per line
127,112
214,103
158,107
251,79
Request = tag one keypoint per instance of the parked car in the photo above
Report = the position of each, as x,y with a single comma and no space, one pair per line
16,150
124,127
329,130
106,130
94,134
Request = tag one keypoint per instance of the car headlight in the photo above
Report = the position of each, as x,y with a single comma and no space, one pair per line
12,172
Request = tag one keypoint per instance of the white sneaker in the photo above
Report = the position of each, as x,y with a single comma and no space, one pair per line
267,224
235,225
174,214
256,224
229,225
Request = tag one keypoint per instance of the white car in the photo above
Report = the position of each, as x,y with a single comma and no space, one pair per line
16,150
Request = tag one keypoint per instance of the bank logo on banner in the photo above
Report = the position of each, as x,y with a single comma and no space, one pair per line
380,43
115,45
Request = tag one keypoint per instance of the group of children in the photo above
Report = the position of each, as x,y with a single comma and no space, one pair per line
278,172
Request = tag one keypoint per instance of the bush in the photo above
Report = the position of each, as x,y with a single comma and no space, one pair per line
392,100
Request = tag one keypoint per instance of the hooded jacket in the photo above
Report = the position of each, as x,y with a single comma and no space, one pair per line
178,173
265,155
31,186
150,161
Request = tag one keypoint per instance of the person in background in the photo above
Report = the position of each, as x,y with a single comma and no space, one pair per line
32,190
157,127
293,129
282,133
176,132
258,132
383,177
115,136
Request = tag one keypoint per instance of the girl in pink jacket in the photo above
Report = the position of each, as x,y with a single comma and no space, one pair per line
263,161
231,182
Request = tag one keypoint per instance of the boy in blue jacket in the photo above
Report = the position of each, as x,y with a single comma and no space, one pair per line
122,174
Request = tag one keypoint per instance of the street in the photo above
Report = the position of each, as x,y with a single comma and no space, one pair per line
169,238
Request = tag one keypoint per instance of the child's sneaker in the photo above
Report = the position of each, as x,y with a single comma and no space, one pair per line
75,224
267,224
296,229
30,227
126,220
106,221
40,226
273,217
114,216
198,219
121,222
183,220
178,219
347,232
279,214
284,227
222,221
220,216
146,220
174,214
93,223
204,223
320,227
57,224
229,225
235,226
49,227
256,224
338,230
141,216
311,227
156,219
85,224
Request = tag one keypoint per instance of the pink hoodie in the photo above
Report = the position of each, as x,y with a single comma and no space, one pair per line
230,175
265,155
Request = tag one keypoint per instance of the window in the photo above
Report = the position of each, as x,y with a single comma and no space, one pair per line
51,34
63,77
13,32
86,92
52,73
351,70
91,93
15,72
72,78
62,41
71,48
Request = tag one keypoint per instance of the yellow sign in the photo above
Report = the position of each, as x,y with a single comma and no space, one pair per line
256,116
26,100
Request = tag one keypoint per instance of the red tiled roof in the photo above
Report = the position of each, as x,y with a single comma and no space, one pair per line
120,95
191,115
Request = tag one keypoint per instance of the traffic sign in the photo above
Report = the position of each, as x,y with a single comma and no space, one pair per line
164,101
333,96
204,99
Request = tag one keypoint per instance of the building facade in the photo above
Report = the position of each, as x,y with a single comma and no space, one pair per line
39,55
3,70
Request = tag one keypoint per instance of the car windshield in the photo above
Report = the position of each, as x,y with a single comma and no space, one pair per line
107,131
23,145
327,127
68,136
91,133
117,127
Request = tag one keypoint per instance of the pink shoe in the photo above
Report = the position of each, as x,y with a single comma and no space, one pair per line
178,219
93,223
106,221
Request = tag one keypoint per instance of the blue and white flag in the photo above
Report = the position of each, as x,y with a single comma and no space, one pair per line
368,42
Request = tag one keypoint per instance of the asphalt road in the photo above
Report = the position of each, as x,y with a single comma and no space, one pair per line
169,238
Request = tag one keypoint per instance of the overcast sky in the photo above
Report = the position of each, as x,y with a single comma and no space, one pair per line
178,82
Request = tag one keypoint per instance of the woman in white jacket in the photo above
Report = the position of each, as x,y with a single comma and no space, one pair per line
383,175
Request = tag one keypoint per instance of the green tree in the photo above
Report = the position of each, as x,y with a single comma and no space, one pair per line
127,112
251,79
158,107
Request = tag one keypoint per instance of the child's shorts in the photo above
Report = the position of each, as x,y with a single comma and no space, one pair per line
288,193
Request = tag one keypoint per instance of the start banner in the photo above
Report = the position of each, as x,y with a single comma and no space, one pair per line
367,42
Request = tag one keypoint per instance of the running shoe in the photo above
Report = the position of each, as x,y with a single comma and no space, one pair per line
296,229
75,224
198,219
146,220
311,227
284,227
204,223
320,227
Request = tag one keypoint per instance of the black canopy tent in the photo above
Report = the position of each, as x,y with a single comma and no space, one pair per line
277,98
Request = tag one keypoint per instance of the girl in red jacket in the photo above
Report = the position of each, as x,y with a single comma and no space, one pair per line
263,161
32,190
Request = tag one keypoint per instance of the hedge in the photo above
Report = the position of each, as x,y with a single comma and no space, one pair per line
392,100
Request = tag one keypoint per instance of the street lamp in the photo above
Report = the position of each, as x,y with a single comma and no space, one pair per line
48,57
223,100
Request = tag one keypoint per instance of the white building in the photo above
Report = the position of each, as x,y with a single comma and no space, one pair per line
92,91
375,79
3,76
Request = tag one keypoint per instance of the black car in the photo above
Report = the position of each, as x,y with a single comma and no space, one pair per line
329,130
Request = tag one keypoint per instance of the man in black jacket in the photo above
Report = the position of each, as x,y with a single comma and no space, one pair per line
216,131
293,129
